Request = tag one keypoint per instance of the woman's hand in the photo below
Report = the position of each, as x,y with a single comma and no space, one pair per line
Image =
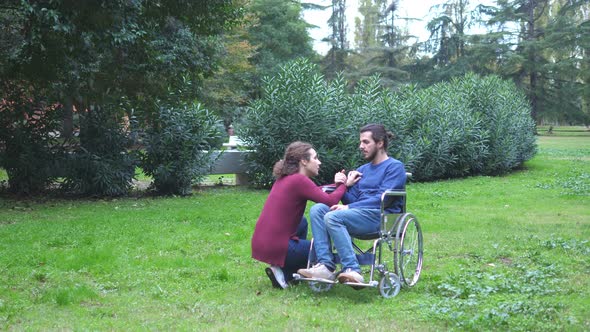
340,177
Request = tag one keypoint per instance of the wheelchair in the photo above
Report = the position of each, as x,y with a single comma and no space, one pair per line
394,260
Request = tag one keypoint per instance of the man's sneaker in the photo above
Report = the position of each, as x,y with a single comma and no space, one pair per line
350,275
318,271
276,276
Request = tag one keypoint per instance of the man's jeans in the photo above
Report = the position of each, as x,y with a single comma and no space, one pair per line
338,226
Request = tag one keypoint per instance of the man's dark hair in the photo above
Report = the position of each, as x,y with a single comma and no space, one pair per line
379,133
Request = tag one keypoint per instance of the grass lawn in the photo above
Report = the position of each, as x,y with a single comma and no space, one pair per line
547,130
501,253
144,180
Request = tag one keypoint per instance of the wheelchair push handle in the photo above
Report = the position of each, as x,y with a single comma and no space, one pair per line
328,188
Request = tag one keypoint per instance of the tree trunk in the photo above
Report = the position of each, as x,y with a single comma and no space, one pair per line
531,36
68,118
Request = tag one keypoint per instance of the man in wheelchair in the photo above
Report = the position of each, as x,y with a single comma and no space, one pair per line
360,213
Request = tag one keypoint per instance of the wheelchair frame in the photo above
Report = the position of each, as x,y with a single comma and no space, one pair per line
396,253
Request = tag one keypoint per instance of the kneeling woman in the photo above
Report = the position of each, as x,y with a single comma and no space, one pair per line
280,234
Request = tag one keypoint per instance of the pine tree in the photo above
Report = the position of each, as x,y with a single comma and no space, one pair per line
543,46
335,60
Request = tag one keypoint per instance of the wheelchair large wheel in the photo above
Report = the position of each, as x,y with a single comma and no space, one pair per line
409,250
389,285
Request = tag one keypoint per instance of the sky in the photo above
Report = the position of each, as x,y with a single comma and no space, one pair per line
418,9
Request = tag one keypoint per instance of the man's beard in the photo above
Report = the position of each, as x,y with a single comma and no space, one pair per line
371,156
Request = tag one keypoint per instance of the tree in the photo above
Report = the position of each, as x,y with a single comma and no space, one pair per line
566,74
449,41
542,49
335,60
106,58
279,34
89,52
389,54
234,83
368,29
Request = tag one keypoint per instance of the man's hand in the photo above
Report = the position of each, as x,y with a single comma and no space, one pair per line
338,207
353,178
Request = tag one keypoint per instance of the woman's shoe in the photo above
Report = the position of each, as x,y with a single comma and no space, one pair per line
276,276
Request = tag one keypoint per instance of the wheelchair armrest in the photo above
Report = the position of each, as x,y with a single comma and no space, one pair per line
393,192
328,188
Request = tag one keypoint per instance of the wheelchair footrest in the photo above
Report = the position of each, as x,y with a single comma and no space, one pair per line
297,276
357,285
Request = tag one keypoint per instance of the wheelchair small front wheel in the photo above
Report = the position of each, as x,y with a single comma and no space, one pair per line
389,285
319,287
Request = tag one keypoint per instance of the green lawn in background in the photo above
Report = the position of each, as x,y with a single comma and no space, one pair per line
208,180
501,253
225,179
563,131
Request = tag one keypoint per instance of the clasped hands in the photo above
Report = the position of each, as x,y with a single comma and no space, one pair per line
349,180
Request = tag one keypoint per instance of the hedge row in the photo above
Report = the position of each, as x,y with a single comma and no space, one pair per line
472,125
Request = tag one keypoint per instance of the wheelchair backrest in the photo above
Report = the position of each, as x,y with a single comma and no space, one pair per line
388,198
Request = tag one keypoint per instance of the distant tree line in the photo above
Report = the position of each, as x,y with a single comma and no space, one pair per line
541,45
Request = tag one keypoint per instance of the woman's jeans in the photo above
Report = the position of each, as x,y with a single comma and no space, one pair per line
298,252
338,226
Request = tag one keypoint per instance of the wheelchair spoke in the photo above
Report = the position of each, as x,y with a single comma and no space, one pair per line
411,251
407,254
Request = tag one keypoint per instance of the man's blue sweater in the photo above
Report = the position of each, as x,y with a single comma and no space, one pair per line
366,193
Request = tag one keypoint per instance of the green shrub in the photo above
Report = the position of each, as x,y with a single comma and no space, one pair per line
505,114
298,104
178,147
28,140
440,137
468,126
101,165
